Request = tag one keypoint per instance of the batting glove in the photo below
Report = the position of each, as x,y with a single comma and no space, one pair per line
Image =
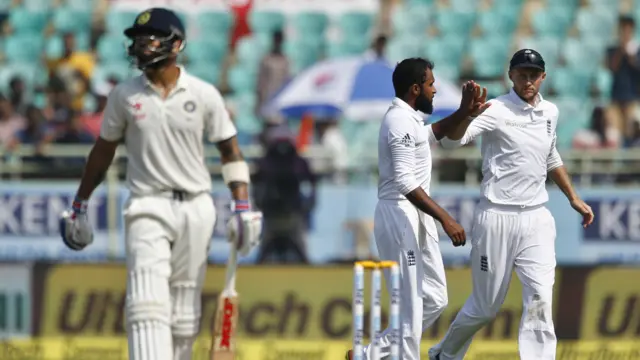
75,230
245,227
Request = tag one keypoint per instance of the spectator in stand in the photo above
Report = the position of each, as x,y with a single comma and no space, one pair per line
17,95
74,68
91,121
10,122
599,135
58,109
335,146
378,49
274,72
623,60
74,132
284,189
36,132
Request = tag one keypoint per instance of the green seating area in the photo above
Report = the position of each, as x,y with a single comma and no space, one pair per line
466,38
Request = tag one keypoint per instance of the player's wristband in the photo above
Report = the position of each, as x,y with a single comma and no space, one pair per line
239,206
79,206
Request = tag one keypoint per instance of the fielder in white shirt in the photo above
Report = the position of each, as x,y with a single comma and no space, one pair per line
513,230
404,221
163,116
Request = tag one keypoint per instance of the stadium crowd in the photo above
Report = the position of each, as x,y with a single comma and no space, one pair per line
56,95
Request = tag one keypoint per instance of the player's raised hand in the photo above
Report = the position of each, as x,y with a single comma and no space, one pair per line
455,231
468,97
585,210
480,103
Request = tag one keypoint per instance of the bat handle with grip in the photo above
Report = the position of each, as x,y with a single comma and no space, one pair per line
230,274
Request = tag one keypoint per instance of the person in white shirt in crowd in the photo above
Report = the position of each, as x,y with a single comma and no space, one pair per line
404,221
512,229
163,116
335,146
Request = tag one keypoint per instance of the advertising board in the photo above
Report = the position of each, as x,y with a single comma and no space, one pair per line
305,303
29,224
15,300
90,348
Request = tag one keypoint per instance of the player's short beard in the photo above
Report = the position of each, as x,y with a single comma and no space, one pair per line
423,103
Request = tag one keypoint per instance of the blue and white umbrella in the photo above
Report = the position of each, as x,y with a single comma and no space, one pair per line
356,88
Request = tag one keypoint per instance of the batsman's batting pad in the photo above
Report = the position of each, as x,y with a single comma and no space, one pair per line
185,318
236,171
148,316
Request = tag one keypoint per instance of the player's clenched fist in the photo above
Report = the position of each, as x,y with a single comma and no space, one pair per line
455,231
244,228
75,229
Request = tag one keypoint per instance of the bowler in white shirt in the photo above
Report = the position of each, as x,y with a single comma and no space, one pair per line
404,221
512,228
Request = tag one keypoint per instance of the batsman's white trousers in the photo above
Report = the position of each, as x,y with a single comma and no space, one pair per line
409,236
167,244
503,239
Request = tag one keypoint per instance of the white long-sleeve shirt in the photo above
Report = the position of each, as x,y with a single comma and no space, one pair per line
404,152
518,149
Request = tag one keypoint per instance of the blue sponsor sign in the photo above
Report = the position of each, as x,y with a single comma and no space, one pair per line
29,223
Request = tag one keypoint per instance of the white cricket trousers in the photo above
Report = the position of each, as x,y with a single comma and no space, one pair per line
400,231
503,239
167,244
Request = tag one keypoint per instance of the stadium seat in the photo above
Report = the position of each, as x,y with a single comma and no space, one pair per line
445,50
242,79
266,21
466,5
208,72
38,5
250,50
207,49
31,73
303,53
111,47
495,88
348,46
71,20
23,20
551,23
571,82
310,23
419,2
582,53
489,56
575,114
402,47
121,70
23,48
603,80
454,22
548,47
411,19
502,20
214,23
595,23
5,5
117,21
355,23
86,5
54,47
500,3
448,71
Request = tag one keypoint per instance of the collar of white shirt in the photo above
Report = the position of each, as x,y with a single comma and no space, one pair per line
180,85
397,102
525,105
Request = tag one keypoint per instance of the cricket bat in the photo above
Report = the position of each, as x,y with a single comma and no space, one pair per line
223,346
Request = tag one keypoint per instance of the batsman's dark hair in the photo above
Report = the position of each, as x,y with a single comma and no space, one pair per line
409,72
